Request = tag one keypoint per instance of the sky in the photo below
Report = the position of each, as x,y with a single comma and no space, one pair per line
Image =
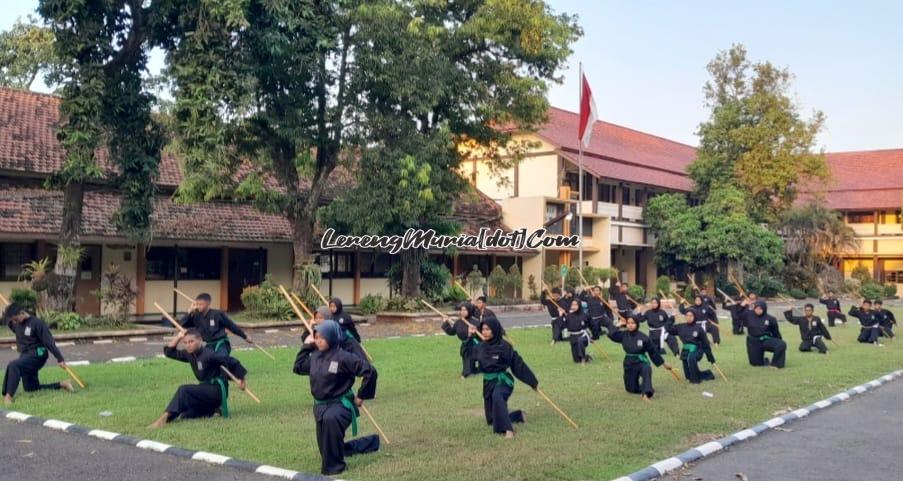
645,61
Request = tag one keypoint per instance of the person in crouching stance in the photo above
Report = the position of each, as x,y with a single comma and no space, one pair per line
869,324
495,356
212,394
639,350
694,344
332,373
34,343
763,335
461,328
813,332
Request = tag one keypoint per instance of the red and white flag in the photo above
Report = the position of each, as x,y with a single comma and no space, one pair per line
588,113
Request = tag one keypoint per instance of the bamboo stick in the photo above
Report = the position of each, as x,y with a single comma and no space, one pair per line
295,309
246,389
74,376
322,298
370,416
555,406
718,368
169,318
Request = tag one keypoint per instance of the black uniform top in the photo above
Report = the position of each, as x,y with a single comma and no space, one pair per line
211,324
206,363
692,334
701,313
708,300
550,304
348,343
333,372
498,355
637,343
657,318
593,304
33,333
809,328
457,328
832,304
620,298
576,322
885,317
480,315
344,319
866,318
735,309
758,326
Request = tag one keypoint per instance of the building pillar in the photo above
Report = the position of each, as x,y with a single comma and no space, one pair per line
357,277
140,277
595,195
224,280
40,249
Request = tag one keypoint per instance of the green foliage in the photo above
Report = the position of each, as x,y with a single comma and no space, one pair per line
515,280
404,304
572,279
637,292
813,293
454,294
861,274
851,286
551,275
531,285
69,256
475,282
118,292
266,301
372,303
26,50
871,290
497,281
815,238
797,293
890,290
26,298
63,321
434,278
763,285
662,284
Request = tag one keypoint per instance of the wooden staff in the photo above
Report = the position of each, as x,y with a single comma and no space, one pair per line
676,376
681,298
693,282
726,297
4,300
555,406
463,289
478,333
739,287
169,318
74,376
717,368
370,416
303,305
322,298
186,296
235,379
295,308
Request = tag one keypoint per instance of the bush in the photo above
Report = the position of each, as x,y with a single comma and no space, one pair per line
26,298
497,281
637,292
454,294
118,292
851,286
764,285
871,290
372,303
890,290
531,285
813,293
63,321
551,275
267,301
433,278
797,293
573,279
475,282
515,280
861,274
404,304
662,284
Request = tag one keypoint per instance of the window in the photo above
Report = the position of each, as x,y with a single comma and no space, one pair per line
625,195
375,264
895,277
586,191
606,193
553,211
860,217
336,265
12,257
192,263
890,217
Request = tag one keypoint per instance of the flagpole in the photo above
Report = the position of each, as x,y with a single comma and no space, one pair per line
580,197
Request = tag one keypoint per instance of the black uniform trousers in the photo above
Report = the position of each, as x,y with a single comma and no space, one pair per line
816,342
655,335
690,361
868,335
833,316
332,421
195,401
470,364
25,369
495,406
756,349
737,325
638,377
557,328
578,342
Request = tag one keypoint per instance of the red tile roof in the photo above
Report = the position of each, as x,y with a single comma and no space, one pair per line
867,179
620,153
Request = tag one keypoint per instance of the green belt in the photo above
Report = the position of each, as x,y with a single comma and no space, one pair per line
347,400
642,357
764,337
690,347
475,341
224,405
499,377
217,343
41,351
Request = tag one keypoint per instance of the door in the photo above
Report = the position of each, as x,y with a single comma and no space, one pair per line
87,282
247,267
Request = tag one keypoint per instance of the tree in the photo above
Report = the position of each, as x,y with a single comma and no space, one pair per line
815,239
101,49
26,51
755,137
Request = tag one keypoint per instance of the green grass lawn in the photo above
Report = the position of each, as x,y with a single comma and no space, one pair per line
435,420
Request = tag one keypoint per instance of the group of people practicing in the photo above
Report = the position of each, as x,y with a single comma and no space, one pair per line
332,356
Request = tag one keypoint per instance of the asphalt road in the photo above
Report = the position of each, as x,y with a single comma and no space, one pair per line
854,441
30,452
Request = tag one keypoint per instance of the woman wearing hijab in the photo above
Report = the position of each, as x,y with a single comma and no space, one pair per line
576,322
639,349
705,316
343,318
461,328
495,356
695,344
332,373
763,335
658,321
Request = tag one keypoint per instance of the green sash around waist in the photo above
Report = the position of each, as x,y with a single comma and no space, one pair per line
763,337
347,400
217,343
499,377
690,347
642,357
41,351
224,392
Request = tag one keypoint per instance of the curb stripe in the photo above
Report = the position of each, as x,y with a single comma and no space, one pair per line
210,457
663,467
99,433
58,425
153,445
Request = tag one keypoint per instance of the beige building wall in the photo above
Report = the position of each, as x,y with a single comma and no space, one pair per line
162,292
279,263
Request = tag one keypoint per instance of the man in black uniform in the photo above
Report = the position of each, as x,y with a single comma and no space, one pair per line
834,312
618,294
212,324
212,394
812,330
869,326
555,306
598,313
885,318
332,372
33,341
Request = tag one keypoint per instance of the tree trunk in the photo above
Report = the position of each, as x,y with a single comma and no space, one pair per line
61,291
302,248
410,271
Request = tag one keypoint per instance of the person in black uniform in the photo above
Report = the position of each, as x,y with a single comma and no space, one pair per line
705,316
638,349
695,344
481,309
885,318
658,321
332,373
347,343
618,293
736,309
495,356
33,342
556,314
869,326
212,324
834,312
212,394
763,335
343,318
461,328
576,322
812,329
599,315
